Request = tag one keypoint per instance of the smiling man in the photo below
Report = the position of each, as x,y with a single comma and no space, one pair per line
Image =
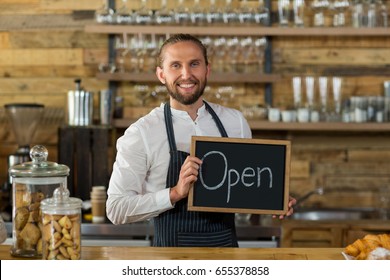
153,170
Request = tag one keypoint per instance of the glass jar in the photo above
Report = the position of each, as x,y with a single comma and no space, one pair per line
61,226
31,183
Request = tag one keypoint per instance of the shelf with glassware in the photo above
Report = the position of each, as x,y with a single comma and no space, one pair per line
238,30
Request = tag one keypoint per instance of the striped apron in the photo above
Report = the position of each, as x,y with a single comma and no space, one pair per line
178,227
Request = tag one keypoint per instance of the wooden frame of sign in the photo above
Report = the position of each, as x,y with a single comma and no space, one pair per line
240,175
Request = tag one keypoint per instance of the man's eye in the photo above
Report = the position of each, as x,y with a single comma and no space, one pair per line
175,65
194,64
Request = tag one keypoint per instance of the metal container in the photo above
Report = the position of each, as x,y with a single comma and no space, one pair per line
31,183
61,226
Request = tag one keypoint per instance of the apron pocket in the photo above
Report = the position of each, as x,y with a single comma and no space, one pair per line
222,238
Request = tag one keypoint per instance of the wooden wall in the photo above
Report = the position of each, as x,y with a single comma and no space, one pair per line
43,49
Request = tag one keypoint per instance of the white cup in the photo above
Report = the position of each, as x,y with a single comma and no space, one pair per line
273,114
288,116
303,115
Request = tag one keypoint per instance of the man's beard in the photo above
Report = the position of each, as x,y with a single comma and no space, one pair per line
186,99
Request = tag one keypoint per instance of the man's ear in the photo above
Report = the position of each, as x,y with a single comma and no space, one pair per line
160,74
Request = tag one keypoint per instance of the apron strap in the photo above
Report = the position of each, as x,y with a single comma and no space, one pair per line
169,127
216,119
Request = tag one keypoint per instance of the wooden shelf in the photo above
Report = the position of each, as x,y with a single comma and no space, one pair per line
238,30
282,126
214,77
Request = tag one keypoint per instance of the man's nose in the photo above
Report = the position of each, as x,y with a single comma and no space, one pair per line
186,72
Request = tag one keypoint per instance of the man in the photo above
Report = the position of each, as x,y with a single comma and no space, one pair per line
153,170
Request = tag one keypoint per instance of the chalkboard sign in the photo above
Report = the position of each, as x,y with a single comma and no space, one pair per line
241,175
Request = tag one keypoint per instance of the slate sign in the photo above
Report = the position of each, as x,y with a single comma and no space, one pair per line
241,175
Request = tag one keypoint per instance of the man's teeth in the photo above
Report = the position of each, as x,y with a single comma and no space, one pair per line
186,85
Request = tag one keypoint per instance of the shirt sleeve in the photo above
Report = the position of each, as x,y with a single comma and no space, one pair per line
128,198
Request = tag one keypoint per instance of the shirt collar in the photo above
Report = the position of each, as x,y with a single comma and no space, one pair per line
184,115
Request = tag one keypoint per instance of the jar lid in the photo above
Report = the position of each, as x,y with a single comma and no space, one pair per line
60,202
39,167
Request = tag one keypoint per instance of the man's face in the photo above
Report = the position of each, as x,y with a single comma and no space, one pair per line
184,72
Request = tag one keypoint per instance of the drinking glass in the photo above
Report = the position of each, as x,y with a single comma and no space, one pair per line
284,12
357,13
297,91
299,12
323,89
340,7
309,83
369,13
319,7
382,14
336,83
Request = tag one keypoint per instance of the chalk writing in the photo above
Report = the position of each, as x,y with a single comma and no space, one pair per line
247,178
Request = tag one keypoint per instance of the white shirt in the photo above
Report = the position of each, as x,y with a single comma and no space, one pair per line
137,189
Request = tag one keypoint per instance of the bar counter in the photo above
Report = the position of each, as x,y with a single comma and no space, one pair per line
159,253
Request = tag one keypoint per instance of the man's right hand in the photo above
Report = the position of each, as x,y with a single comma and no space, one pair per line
188,175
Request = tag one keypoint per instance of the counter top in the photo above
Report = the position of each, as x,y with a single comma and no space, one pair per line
159,253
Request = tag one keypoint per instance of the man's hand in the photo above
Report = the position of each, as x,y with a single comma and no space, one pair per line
188,175
292,201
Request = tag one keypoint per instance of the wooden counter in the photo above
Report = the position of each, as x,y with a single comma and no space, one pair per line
154,253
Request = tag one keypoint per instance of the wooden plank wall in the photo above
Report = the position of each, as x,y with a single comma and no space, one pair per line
43,49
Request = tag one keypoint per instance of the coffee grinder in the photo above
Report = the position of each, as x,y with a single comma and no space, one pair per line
24,119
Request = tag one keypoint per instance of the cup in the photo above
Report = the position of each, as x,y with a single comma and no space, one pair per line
98,203
273,114
288,116
303,115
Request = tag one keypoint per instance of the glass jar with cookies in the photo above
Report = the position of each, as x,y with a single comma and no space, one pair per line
61,226
32,182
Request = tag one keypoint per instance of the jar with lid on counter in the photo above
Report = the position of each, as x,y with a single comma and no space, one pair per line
31,183
61,226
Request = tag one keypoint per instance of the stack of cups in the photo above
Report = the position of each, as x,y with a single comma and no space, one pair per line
98,201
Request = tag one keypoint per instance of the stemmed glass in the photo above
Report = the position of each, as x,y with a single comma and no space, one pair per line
164,16
262,15
143,15
123,14
229,14
246,14
105,14
181,14
198,14
214,14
